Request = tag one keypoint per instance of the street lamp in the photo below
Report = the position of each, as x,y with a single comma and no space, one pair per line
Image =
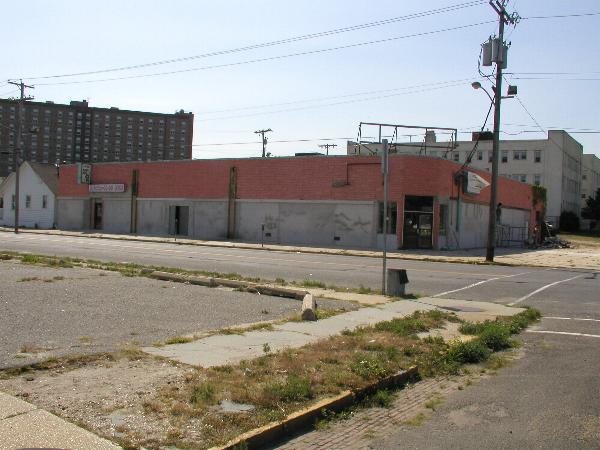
477,85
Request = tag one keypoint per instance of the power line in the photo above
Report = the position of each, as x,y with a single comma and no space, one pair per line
309,52
418,15
273,58
319,99
345,102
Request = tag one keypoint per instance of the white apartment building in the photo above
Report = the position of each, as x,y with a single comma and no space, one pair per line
555,163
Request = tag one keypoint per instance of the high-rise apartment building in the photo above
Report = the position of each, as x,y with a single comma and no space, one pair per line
57,133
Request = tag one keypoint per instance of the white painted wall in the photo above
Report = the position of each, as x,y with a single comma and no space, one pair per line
30,184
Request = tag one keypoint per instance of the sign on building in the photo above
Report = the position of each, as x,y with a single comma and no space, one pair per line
112,188
475,183
85,173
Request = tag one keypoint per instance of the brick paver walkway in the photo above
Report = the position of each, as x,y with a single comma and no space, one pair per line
366,424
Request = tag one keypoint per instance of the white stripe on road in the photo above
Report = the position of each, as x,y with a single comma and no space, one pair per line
543,288
478,283
571,318
563,332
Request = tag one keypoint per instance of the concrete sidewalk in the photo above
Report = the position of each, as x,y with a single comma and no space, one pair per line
218,350
571,258
23,425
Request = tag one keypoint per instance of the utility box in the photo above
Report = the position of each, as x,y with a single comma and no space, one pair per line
396,282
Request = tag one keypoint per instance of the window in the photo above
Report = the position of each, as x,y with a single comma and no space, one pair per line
456,157
392,212
28,201
12,206
538,156
523,178
504,156
479,155
1,202
490,155
520,155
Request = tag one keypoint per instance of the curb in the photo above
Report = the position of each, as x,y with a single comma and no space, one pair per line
303,419
308,250
214,282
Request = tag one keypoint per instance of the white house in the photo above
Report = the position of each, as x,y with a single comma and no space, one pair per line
38,184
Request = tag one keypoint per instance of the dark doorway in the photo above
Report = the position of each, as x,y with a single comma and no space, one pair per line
98,212
418,222
178,220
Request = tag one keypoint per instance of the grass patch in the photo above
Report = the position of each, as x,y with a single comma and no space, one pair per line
469,352
313,284
383,398
415,421
294,389
179,340
202,394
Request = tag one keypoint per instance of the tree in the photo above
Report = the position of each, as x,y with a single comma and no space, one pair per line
569,221
591,210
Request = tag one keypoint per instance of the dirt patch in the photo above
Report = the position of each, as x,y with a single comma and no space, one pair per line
105,396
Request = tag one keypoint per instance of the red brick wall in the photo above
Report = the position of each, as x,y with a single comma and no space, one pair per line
302,178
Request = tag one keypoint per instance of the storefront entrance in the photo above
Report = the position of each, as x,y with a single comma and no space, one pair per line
418,222
178,220
97,215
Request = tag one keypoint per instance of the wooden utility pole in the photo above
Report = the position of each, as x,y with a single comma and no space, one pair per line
264,140
327,147
22,86
500,60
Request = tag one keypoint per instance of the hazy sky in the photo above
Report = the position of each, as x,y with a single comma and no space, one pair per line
420,80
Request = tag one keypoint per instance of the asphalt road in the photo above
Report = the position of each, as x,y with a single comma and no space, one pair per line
548,399
490,283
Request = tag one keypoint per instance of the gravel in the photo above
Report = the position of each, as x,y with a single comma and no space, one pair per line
47,312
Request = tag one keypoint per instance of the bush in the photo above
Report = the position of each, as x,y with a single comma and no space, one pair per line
496,336
473,351
403,327
569,221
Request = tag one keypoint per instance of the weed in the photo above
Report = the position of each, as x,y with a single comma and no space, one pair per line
473,351
202,394
415,421
403,327
280,281
85,339
496,362
294,389
179,340
313,284
496,336
433,403
368,366
265,311
266,348
382,398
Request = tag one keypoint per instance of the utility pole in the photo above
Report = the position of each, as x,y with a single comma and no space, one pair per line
384,169
264,139
327,147
499,52
22,99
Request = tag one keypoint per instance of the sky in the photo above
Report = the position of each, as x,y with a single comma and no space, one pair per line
414,64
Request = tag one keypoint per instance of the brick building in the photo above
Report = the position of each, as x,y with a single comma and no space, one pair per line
328,201
56,133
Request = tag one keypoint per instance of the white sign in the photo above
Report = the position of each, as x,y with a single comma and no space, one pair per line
475,183
85,173
107,188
